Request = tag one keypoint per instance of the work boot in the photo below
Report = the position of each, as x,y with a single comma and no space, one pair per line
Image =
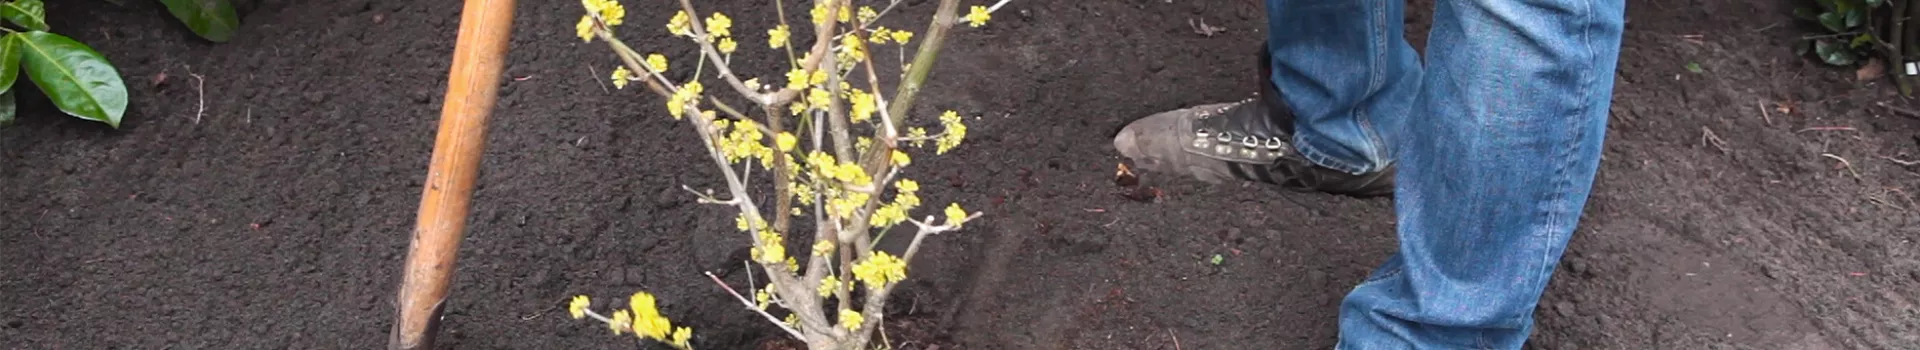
1248,140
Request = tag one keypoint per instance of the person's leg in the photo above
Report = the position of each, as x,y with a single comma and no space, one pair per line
1336,81
1348,72
1494,173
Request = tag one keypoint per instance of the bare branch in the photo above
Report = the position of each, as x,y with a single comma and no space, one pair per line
749,304
706,46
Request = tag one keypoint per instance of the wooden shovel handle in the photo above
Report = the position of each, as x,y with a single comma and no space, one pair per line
479,56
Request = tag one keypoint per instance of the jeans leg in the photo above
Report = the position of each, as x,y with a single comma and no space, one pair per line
1346,69
1493,174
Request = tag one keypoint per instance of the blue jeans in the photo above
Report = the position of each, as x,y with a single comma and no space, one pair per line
1496,138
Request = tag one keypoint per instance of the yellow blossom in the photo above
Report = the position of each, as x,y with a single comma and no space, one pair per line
688,93
901,158
818,97
828,285
955,215
867,14
880,270
621,321
611,12
851,319
761,296
578,308
584,29
719,25
901,36
846,13
819,12
657,62
727,45
797,79
823,247
955,131
978,16
620,76
863,105
681,24
817,77
918,134
854,47
786,141
777,37
647,321
888,215
906,185
680,337
879,35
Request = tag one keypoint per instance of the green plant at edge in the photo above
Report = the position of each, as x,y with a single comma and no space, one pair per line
1849,37
214,20
78,79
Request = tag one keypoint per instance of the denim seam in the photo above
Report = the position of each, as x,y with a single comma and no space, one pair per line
1303,142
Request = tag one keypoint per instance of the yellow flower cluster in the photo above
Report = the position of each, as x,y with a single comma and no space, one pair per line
657,63
904,201
956,217
882,34
863,105
743,140
880,270
688,94
621,76
720,27
851,320
681,24
823,248
955,131
827,285
840,203
777,37
643,318
978,16
609,11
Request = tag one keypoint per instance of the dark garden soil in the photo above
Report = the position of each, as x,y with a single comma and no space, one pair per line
260,194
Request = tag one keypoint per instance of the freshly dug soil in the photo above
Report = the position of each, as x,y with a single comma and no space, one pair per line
260,193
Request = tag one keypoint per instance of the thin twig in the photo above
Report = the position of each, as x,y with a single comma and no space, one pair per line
1901,111
1708,138
1843,162
596,79
1176,339
1901,162
199,85
1764,114
1827,128
750,306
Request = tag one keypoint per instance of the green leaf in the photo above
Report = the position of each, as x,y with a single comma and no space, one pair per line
1875,3
214,20
1826,4
1695,67
1860,40
78,80
1856,17
6,109
1834,53
30,14
9,61
1834,21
